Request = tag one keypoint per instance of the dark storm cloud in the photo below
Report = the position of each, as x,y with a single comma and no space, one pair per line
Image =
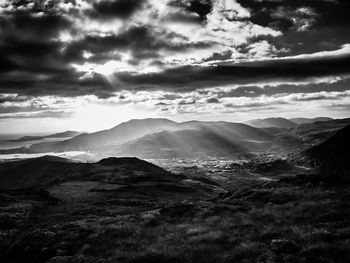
186,102
24,24
255,91
123,9
26,41
199,7
307,26
277,13
27,56
213,100
67,83
34,62
202,8
142,41
192,77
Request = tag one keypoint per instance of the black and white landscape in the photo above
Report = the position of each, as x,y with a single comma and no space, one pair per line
174,131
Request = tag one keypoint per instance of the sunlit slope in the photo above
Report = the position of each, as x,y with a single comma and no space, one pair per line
207,139
272,122
119,134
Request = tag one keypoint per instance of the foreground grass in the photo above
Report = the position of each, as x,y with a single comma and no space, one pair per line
271,222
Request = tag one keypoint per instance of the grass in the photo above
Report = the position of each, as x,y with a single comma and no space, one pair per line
274,222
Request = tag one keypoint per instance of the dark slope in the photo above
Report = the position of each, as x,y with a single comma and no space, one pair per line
272,122
334,153
50,170
305,135
108,179
318,132
309,120
34,172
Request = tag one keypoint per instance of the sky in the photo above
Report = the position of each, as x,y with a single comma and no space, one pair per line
88,65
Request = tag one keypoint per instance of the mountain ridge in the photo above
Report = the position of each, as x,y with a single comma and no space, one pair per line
277,122
134,129
64,134
309,120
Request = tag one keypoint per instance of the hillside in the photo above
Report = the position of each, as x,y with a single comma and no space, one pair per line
333,154
127,210
318,132
204,139
272,122
34,172
119,134
309,120
228,129
47,171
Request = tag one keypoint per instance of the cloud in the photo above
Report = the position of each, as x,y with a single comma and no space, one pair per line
285,14
36,115
179,56
187,102
212,100
58,48
282,70
106,9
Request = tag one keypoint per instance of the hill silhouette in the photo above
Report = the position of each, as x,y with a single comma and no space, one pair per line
333,154
126,177
318,132
50,170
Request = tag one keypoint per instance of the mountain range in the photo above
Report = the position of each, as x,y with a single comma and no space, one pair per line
154,136
163,138
217,141
66,134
